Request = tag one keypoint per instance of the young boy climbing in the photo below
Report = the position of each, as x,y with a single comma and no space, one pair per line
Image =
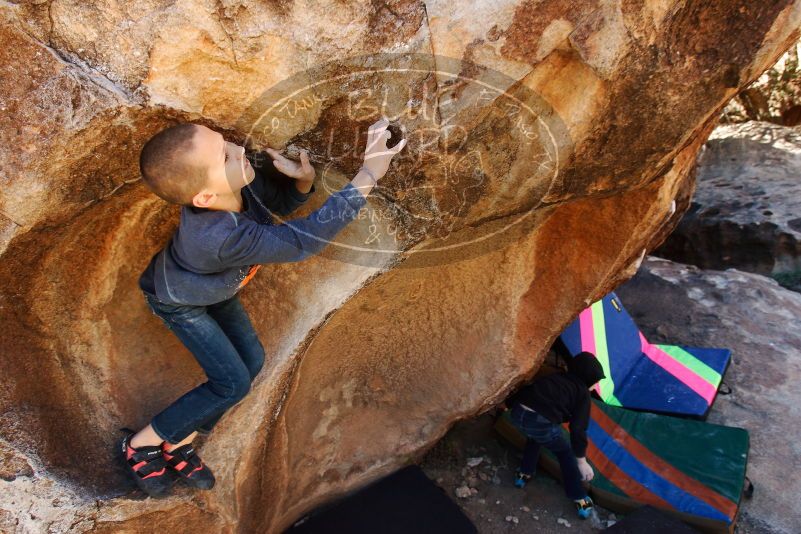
538,410
226,231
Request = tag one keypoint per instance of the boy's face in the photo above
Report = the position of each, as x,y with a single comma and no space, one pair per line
228,168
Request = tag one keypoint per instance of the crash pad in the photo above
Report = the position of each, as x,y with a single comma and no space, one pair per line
402,502
690,469
670,379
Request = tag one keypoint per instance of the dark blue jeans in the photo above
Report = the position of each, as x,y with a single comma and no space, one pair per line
540,432
224,343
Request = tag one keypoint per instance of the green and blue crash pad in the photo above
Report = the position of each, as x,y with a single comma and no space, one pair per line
687,468
670,379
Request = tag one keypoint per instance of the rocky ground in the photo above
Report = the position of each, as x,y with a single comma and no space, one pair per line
760,322
476,463
742,214
752,315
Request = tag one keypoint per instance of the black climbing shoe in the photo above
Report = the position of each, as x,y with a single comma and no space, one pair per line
147,467
185,462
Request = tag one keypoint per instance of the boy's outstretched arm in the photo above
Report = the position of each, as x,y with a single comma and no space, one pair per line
250,242
578,436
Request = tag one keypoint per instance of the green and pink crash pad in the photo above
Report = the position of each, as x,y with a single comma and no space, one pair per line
640,375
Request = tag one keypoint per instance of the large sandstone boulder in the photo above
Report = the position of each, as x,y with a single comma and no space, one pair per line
547,143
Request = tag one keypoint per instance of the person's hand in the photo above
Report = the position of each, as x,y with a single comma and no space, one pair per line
376,154
585,469
302,171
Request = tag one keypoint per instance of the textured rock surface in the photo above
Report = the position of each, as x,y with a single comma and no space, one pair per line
760,322
744,213
499,224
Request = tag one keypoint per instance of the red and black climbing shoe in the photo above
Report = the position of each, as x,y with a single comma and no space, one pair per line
185,462
147,466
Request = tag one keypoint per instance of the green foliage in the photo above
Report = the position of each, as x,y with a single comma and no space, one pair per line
774,97
790,279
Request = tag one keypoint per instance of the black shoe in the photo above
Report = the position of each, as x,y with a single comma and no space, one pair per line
185,462
147,467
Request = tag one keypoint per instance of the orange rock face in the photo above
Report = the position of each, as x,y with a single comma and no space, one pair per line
547,143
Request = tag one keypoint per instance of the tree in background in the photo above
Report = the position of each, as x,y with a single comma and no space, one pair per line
774,97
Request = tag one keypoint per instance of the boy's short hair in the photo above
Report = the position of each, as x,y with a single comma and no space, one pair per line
166,170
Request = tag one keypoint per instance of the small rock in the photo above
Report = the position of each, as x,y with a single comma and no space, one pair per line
463,492
525,508
497,502
535,517
563,521
473,462
512,519
473,491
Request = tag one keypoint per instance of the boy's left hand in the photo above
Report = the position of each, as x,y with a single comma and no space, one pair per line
302,171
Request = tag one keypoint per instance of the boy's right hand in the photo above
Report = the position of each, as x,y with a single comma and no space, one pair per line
585,469
376,154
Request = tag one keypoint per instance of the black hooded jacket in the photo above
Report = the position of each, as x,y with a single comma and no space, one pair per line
564,397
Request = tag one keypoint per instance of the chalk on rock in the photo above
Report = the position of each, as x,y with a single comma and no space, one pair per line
563,521
473,462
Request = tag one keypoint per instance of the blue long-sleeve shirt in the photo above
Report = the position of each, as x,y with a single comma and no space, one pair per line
214,253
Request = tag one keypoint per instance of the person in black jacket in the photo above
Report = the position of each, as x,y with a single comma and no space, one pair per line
538,410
